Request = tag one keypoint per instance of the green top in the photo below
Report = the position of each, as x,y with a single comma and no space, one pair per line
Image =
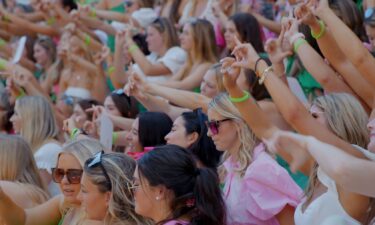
300,178
307,82
111,39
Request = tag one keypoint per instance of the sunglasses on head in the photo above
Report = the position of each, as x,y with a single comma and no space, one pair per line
214,125
72,175
128,3
97,161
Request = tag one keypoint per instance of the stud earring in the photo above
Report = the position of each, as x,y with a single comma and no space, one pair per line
157,198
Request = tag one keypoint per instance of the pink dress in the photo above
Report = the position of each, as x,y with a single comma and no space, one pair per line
263,192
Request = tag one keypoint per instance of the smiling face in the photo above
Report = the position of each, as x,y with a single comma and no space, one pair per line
133,137
70,191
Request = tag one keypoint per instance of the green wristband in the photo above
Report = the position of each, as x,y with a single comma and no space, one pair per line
132,48
322,31
74,134
2,42
114,137
87,40
298,43
241,99
3,64
110,70
22,94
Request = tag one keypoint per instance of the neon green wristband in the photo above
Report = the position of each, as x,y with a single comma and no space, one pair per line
22,94
87,40
2,42
92,13
51,21
114,137
322,31
74,134
3,64
110,70
241,99
298,43
132,48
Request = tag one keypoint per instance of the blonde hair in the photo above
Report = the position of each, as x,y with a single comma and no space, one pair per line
223,106
216,68
204,48
345,116
17,162
165,27
38,120
347,119
82,150
120,169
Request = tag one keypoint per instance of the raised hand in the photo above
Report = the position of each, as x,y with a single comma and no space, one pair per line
304,13
293,29
291,143
274,48
245,54
231,74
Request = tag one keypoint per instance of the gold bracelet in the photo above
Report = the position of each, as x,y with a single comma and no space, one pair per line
265,74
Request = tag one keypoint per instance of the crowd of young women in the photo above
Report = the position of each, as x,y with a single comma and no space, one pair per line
248,112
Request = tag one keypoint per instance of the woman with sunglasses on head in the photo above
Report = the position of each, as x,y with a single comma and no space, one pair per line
19,176
252,175
106,193
165,59
170,189
148,130
65,208
189,131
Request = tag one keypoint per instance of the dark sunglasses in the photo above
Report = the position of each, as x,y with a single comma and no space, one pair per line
97,161
72,175
214,125
128,3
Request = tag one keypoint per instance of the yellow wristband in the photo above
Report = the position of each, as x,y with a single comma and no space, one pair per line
110,70
2,42
92,13
322,31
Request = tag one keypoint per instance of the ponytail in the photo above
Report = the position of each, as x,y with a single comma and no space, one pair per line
208,198
197,195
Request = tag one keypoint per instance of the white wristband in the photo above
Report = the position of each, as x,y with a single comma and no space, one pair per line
296,36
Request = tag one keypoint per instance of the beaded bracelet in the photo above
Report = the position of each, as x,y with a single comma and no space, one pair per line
322,31
241,99
265,74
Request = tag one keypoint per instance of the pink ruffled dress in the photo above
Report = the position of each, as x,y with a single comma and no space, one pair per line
262,193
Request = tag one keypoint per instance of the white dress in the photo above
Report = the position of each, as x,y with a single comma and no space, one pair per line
173,59
326,209
46,158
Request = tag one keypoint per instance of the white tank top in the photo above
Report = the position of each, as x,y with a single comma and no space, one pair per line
325,209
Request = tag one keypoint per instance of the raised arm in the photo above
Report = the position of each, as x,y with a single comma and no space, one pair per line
348,42
45,214
192,80
337,59
293,111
